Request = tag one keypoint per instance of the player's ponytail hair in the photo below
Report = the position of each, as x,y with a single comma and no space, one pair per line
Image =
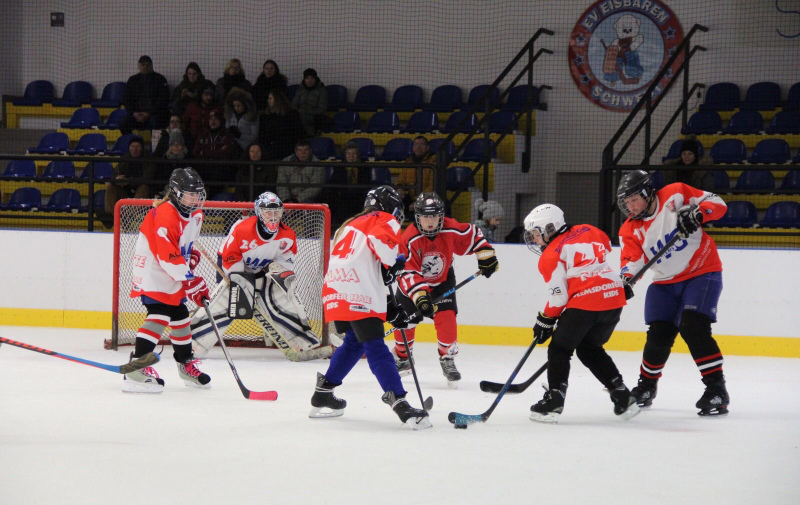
366,210
164,199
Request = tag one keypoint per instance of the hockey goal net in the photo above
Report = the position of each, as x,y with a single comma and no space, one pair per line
310,222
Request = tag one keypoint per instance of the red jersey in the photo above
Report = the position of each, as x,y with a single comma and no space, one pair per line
245,250
576,272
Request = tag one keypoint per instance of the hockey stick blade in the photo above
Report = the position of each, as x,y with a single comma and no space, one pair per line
513,389
428,403
465,419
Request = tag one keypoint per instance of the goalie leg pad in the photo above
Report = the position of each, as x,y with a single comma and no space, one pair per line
277,302
242,296
203,337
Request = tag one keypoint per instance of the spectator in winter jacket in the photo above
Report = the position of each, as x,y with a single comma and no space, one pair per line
196,116
232,78
489,215
300,175
189,89
420,153
280,127
175,126
269,79
132,176
311,100
263,177
215,143
146,99
690,156
241,117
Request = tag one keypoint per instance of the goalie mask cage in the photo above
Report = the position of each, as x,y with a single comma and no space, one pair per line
310,222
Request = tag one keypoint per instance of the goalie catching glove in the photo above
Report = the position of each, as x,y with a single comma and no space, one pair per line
487,261
544,327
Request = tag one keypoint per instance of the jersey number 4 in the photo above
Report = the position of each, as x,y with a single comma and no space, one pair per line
344,248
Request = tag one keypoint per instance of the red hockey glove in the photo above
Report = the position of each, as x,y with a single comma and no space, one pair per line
194,259
196,290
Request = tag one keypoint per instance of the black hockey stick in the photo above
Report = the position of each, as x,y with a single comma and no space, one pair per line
427,404
513,389
136,364
664,250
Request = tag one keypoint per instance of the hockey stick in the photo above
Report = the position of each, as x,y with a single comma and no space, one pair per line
496,387
136,364
664,250
428,403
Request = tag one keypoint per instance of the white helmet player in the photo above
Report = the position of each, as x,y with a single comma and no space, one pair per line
269,209
546,222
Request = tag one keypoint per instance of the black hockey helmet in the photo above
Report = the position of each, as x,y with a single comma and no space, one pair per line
269,209
186,190
429,204
633,183
385,198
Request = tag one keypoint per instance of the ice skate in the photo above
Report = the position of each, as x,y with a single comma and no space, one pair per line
145,380
403,364
715,399
450,371
550,407
645,392
416,419
625,405
191,375
324,403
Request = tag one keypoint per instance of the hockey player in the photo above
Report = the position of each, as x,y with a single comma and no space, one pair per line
586,300
366,255
687,281
432,241
252,245
162,277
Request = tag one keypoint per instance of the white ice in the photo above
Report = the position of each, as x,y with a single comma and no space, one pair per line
68,435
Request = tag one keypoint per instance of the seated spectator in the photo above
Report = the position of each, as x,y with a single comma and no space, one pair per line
177,148
132,177
346,201
215,143
421,153
700,179
300,175
280,127
489,215
146,99
232,78
311,101
195,118
241,117
189,89
175,126
269,79
263,177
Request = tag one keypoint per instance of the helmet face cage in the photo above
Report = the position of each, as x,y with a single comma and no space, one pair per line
429,205
629,187
269,209
385,198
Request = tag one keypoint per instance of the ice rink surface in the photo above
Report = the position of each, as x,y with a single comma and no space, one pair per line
68,435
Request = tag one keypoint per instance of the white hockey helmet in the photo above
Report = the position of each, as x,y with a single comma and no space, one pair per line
269,209
546,221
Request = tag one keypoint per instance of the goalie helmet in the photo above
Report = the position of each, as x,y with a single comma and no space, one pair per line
385,198
269,209
633,183
546,221
429,204
186,190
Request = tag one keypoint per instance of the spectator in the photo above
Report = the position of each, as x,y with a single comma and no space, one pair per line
177,147
263,177
280,127
232,78
311,100
489,215
241,117
189,89
132,176
215,143
175,126
300,175
345,201
146,99
421,153
690,156
269,79
196,116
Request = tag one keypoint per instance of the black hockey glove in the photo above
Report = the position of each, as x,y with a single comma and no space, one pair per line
395,315
626,279
544,327
689,219
391,273
424,304
487,262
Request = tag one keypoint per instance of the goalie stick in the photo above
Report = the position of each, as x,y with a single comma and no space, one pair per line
496,387
148,359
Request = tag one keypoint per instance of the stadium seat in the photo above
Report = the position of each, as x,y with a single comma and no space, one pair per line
36,93
24,199
424,121
383,122
59,170
121,145
99,201
658,179
323,148
782,215
405,99
224,196
739,215
23,169
396,150
793,100
518,97
368,98
51,143
102,170
474,150
459,178
455,118
755,180
114,120
346,121
771,151
477,93
500,120
675,151
434,144
784,122
721,179
76,94
762,96
112,95
337,97
380,176
90,144
445,98
796,159
729,151
366,147
703,122
291,91
791,180
745,121
85,117
721,96
63,200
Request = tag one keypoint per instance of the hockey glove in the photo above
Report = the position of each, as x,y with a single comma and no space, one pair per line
544,327
395,315
487,262
391,273
424,304
196,290
689,219
626,279
194,259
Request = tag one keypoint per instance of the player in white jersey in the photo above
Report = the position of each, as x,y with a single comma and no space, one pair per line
687,281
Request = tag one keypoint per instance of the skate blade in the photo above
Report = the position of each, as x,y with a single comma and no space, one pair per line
720,412
452,384
419,423
405,373
129,386
550,418
632,411
323,412
192,384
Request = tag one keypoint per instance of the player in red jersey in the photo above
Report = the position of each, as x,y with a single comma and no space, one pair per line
432,241
163,278
586,300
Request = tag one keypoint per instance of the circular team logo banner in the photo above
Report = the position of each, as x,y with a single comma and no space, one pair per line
618,46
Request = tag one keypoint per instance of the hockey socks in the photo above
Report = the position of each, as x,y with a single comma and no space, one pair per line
446,331
399,346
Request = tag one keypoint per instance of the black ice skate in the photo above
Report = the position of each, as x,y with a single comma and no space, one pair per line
450,371
625,405
416,419
549,408
324,403
403,364
715,399
645,392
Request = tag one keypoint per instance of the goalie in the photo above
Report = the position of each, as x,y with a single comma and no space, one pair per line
251,291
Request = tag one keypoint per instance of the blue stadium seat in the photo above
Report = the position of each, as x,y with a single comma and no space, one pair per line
102,170
63,200
771,151
445,98
224,196
500,120
434,144
36,93
405,99
658,179
59,170
369,98
24,169
121,145
90,144
85,117
24,199
76,94
112,95
346,121
757,180
114,120
721,179
796,159
459,178
323,147
99,201
518,97
51,143
396,150
762,96
791,180
380,176
383,122
745,121
424,121
722,96
291,91
366,147
703,122
474,150
739,215
477,92
675,151
784,122
729,151
782,215
793,100
337,96
455,118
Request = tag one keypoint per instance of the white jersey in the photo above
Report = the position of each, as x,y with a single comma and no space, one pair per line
245,250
